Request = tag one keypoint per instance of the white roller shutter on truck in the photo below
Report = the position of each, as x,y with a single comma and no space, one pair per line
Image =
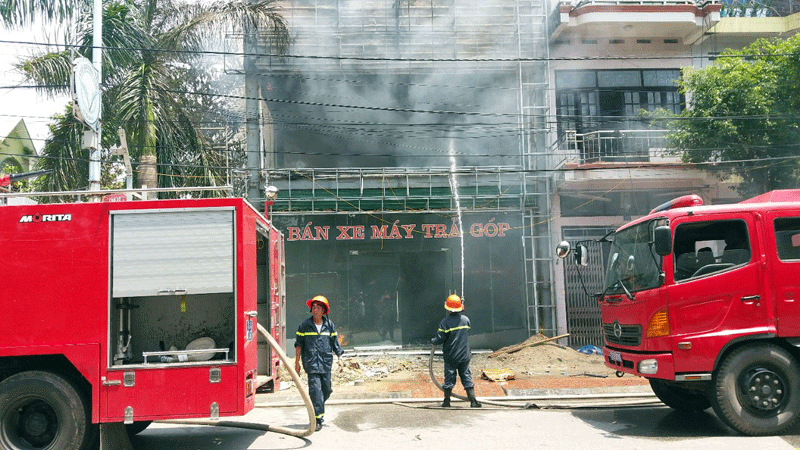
169,252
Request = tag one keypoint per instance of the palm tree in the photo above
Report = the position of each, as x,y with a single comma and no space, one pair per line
150,53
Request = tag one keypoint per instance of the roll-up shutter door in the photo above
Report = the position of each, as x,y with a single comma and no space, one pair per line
172,252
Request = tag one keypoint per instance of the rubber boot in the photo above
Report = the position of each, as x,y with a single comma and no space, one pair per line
446,402
473,402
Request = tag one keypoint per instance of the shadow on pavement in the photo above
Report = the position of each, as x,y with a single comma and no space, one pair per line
208,438
662,421
656,422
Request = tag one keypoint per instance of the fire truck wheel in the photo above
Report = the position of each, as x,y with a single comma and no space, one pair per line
42,410
137,427
757,390
680,397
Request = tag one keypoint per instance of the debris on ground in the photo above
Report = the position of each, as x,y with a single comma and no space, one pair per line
594,375
591,350
532,342
536,356
539,355
497,374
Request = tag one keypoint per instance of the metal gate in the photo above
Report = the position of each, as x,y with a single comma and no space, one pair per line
583,313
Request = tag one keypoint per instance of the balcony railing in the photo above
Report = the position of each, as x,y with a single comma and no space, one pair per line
613,146
410,190
698,3
730,8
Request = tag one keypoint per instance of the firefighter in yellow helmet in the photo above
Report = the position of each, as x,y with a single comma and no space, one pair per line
453,335
315,344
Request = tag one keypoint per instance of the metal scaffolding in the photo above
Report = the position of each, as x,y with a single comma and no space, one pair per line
436,37
534,79
395,189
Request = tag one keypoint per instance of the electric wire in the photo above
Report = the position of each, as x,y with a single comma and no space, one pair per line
763,162
445,112
406,60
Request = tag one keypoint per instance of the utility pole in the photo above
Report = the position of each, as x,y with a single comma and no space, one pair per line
97,61
87,79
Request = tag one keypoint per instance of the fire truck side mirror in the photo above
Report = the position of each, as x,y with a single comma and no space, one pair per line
581,255
662,240
563,249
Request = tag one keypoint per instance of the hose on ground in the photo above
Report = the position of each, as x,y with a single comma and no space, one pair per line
461,397
312,421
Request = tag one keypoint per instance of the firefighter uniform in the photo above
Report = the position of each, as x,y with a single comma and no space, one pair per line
317,348
453,335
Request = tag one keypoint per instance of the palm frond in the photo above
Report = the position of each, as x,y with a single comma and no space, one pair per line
223,16
50,72
63,155
22,13
153,86
124,39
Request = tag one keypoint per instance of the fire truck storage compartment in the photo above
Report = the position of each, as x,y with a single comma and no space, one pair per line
263,301
172,278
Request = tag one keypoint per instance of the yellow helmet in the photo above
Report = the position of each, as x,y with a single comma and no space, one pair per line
321,300
454,303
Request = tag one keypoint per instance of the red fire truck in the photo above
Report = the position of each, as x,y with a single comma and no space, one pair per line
130,312
704,301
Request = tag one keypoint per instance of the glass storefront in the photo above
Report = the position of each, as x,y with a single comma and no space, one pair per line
387,275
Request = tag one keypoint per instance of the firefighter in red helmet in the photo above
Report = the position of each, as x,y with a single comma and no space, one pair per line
453,335
315,344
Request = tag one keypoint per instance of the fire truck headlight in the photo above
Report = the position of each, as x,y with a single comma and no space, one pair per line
648,366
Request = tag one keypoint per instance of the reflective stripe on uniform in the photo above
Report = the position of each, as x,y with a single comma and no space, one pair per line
314,333
465,327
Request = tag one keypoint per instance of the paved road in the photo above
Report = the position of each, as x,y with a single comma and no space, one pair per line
388,426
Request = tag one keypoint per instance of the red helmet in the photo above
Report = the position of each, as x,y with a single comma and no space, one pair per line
454,303
321,300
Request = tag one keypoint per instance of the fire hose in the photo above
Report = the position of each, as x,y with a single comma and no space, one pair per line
307,400
312,421
461,397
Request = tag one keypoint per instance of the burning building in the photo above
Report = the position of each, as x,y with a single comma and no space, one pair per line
401,137
416,153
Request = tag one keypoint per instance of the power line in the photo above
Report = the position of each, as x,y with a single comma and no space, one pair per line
552,119
478,169
409,60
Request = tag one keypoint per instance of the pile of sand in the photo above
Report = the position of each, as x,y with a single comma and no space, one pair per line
546,358
542,359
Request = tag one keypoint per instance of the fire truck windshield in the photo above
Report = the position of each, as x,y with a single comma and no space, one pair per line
632,264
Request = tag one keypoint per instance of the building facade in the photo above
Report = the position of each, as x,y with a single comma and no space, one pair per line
16,149
426,148
616,63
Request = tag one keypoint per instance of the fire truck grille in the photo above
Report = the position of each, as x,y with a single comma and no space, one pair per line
630,335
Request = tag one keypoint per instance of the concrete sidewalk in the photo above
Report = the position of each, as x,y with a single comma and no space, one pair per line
420,386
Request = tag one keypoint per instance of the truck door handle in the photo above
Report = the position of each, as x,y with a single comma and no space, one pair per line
112,382
750,298
172,292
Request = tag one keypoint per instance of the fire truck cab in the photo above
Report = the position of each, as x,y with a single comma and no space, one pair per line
130,312
704,301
